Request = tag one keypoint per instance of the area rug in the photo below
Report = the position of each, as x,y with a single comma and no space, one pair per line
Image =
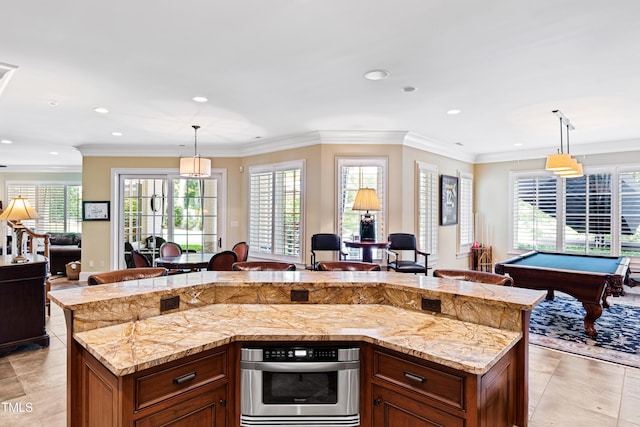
558,324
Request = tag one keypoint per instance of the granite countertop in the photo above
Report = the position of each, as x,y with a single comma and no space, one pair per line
121,324
132,346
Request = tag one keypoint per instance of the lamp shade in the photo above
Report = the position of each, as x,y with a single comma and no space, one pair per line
18,210
366,200
195,167
577,173
558,162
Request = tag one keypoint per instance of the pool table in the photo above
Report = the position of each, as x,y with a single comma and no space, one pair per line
590,279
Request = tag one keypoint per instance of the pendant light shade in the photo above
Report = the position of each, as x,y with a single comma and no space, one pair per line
196,166
562,163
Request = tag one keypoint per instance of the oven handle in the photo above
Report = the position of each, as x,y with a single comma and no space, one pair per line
300,366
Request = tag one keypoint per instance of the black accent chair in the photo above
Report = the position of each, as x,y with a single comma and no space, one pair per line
222,261
400,242
325,242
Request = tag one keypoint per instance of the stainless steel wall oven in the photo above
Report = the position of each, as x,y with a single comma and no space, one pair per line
299,386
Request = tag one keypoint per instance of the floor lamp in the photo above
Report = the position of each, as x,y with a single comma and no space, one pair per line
19,209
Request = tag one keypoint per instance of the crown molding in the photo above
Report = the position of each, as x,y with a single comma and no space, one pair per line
436,147
42,169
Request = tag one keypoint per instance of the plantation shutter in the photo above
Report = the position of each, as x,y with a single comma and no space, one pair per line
427,235
534,213
466,213
629,203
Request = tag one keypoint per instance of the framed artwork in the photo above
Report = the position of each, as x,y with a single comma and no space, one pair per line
95,211
448,200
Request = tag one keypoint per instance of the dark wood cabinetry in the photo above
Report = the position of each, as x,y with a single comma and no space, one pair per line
409,392
22,303
192,391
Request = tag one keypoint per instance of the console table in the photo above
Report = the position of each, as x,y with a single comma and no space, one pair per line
22,303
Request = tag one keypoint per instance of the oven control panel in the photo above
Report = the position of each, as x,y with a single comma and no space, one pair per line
300,354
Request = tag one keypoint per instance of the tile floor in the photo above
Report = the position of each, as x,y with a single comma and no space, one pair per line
564,390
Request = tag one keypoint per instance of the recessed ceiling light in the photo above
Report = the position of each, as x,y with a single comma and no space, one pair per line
116,133
53,103
376,74
54,153
101,110
518,144
6,141
200,98
460,144
453,112
409,89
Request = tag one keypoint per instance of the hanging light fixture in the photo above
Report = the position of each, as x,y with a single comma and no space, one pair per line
562,163
196,166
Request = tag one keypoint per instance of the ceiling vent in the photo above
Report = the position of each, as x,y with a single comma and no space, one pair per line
6,71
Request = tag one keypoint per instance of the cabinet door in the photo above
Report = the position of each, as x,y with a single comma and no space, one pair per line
205,410
392,409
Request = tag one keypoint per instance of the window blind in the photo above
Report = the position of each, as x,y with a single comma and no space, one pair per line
466,221
534,224
427,209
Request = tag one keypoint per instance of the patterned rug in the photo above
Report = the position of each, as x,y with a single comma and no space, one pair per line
558,324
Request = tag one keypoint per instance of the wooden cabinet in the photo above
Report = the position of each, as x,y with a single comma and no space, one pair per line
192,391
409,392
22,303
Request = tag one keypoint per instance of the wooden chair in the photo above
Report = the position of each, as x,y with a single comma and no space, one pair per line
222,261
347,266
263,266
242,251
124,275
139,260
398,243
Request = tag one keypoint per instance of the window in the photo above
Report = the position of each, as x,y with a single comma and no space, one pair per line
427,209
353,174
466,219
161,207
534,212
275,211
597,214
59,206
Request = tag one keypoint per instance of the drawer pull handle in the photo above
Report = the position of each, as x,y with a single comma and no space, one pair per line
185,378
414,377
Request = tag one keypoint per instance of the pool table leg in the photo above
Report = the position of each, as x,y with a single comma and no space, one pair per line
594,311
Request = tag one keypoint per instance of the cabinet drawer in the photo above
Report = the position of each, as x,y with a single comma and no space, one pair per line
155,387
442,386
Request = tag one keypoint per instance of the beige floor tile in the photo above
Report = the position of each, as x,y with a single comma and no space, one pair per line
35,381
6,370
623,423
58,420
43,361
630,409
49,402
553,412
10,388
19,417
631,383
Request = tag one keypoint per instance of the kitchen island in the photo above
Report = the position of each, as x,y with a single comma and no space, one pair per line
120,342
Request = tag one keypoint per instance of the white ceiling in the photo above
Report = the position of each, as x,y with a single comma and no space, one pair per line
276,68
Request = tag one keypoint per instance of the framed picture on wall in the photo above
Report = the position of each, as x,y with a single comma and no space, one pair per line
448,200
95,211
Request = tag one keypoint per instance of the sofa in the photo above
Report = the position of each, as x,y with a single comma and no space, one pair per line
63,249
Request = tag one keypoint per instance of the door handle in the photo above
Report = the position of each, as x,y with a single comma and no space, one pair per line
219,242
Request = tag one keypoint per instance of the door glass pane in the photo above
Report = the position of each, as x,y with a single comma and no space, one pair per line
194,217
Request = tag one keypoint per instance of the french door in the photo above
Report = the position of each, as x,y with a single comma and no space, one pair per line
161,207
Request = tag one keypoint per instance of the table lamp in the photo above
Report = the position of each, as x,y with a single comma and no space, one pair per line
367,200
17,210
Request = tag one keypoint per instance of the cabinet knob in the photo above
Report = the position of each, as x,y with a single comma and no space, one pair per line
223,402
377,402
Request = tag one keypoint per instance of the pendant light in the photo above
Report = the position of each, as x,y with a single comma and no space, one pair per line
196,166
562,163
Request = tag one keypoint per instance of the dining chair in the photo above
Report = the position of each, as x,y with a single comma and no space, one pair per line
139,260
242,251
124,275
348,266
399,243
222,261
170,249
263,266
325,242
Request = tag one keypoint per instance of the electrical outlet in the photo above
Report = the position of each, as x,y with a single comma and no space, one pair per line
429,304
299,295
169,303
